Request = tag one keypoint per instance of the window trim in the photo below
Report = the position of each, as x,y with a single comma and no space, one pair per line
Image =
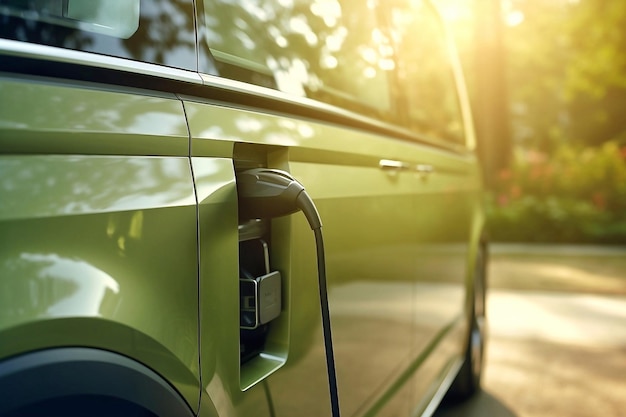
237,93
92,59
209,88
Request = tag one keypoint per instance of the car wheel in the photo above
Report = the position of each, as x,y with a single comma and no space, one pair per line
468,379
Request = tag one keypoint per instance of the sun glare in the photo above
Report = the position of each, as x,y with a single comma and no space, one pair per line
455,10
514,18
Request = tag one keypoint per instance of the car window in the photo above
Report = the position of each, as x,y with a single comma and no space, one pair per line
431,104
328,50
154,31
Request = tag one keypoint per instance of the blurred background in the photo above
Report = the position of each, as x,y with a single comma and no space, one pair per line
547,80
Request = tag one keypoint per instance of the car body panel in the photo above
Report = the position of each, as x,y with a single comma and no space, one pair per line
94,247
51,116
120,230
387,275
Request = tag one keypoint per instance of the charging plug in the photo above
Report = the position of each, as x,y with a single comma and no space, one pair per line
267,193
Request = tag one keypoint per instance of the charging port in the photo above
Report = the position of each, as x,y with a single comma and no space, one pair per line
263,251
259,289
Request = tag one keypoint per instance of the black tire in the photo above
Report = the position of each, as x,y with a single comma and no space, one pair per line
467,382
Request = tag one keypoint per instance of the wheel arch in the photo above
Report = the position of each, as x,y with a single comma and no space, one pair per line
68,373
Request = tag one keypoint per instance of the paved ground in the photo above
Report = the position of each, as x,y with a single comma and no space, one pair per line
557,344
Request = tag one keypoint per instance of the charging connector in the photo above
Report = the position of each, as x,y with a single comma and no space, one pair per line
267,193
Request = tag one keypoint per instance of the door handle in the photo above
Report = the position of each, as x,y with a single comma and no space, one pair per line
393,165
424,169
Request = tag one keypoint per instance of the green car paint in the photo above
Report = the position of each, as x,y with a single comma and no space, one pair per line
386,274
98,250
119,229
50,117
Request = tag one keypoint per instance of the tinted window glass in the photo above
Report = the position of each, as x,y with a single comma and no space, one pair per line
155,31
328,50
425,73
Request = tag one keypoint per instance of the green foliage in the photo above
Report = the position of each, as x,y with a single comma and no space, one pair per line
567,71
578,194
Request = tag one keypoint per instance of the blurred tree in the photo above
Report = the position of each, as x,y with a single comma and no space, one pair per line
567,72
490,96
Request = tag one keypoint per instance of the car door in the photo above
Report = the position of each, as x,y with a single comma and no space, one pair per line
366,202
395,227
368,211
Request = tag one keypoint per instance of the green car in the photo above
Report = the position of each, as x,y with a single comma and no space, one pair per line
222,208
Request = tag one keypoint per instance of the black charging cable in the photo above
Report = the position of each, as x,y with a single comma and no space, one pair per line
267,193
328,338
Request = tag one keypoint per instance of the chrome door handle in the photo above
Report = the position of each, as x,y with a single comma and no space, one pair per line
393,165
424,169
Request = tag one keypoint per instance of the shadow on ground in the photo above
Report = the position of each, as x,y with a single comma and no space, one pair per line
483,404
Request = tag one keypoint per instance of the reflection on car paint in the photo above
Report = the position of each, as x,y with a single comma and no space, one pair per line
93,184
62,287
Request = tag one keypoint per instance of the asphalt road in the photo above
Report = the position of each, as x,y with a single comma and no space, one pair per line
557,344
